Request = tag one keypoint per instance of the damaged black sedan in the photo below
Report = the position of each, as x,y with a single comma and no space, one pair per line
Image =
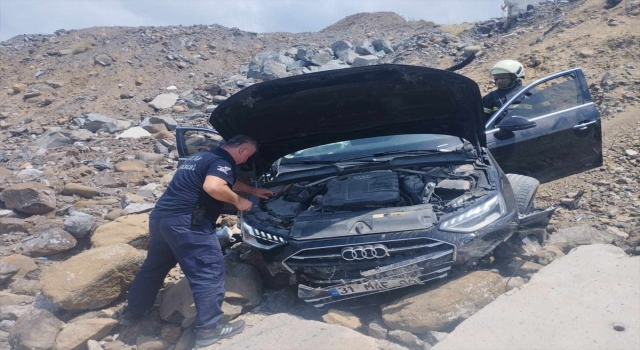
388,176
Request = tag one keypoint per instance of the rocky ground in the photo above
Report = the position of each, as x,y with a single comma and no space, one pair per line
87,145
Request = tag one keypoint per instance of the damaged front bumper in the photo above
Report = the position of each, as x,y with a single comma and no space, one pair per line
537,219
446,250
403,274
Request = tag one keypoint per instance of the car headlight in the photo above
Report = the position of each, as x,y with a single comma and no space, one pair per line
476,217
259,238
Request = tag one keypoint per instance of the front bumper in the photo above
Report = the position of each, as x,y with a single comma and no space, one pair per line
394,272
399,275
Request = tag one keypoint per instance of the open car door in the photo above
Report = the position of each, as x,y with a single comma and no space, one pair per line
553,132
191,140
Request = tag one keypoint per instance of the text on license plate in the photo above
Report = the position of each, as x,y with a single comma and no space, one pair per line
373,286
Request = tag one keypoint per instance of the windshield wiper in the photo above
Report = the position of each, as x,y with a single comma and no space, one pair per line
332,162
387,153
370,158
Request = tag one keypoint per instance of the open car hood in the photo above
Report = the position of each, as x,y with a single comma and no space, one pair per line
295,113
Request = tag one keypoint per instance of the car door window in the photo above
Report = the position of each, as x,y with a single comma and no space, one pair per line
197,141
547,97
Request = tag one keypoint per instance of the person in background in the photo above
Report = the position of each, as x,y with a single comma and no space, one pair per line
507,75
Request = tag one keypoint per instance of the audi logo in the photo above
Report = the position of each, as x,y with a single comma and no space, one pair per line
364,252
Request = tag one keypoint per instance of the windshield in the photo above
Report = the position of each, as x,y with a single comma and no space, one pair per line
344,150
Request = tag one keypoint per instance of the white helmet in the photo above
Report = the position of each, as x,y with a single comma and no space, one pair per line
508,67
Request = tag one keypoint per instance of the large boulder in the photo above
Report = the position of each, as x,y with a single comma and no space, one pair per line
164,101
7,298
341,48
342,318
29,198
150,158
7,271
92,279
303,334
128,166
368,60
13,312
383,45
297,65
470,50
35,330
243,292
321,58
75,335
569,238
50,241
349,57
78,224
24,263
13,225
331,65
167,120
138,208
177,304
25,287
135,132
408,339
273,70
306,54
56,137
80,190
268,66
243,284
365,48
130,229
144,342
94,121
445,305
53,138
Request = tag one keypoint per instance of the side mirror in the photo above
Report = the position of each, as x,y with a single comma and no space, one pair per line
515,123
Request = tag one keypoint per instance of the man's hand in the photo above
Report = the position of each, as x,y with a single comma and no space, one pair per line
262,193
243,204
258,192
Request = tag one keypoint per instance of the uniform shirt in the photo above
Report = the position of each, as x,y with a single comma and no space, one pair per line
185,189
496,99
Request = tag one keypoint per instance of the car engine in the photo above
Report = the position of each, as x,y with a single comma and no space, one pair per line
446,188
376,188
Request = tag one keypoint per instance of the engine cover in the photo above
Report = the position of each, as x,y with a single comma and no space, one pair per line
375,188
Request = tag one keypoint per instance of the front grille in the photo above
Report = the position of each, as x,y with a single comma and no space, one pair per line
319,261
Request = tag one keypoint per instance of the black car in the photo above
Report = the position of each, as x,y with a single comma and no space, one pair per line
388,176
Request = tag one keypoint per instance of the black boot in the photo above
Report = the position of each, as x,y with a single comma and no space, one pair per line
130,318
207,337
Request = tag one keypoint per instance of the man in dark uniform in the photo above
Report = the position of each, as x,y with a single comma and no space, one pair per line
182,230
507,75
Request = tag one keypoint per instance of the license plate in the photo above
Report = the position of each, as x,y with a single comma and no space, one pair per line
373,285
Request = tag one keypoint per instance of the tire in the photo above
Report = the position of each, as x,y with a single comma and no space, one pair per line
524,189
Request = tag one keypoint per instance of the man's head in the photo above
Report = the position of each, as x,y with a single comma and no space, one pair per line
506,73
240,147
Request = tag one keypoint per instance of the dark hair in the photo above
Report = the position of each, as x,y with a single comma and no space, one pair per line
238,140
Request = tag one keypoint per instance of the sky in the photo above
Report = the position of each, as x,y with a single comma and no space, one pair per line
45,16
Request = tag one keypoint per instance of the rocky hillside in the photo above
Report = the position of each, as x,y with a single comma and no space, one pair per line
87,146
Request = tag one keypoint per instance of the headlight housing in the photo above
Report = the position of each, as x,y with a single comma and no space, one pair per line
260,239
476,217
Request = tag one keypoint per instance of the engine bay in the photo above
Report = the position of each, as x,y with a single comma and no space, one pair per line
443,188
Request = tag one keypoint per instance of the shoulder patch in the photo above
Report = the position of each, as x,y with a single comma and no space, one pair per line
224,169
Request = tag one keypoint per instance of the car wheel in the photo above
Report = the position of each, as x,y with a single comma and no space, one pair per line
524,189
